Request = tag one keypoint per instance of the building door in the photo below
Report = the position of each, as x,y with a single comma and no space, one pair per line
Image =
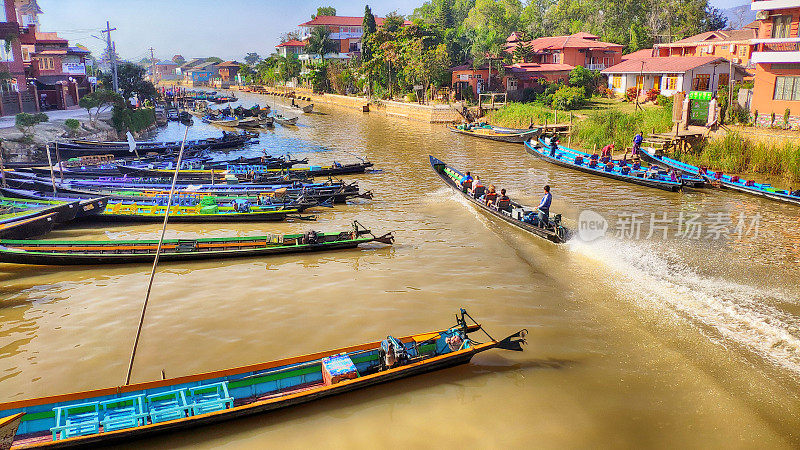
639,82
657,83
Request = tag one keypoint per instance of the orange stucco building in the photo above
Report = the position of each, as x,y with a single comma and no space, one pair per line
776,57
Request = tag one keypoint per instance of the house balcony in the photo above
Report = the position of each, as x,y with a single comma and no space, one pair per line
595,66
769,51
767,5
309,57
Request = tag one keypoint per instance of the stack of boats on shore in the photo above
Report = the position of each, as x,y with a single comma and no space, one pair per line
208,188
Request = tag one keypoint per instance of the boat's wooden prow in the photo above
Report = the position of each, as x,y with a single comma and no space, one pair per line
8,429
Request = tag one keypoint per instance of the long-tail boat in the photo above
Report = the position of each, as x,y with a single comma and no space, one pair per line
121,413
252,169
79,148
485,131
199,212
577,160
720,179
48,252
513,213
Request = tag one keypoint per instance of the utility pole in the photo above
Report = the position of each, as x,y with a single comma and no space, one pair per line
112,54
153,67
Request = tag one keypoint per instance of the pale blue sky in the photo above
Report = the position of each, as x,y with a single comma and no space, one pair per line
197,28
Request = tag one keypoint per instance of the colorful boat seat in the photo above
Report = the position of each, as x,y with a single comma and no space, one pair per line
123,412
169,405
209,398
76,420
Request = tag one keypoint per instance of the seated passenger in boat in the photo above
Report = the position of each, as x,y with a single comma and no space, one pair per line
478,188
543,209
503,202
466,182
609,166
606,151
491,197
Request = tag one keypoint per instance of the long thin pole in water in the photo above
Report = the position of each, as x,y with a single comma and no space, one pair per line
155,261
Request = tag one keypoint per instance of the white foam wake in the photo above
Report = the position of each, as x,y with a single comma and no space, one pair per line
737,312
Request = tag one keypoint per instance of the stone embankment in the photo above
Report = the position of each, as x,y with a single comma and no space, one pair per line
435,113
18,147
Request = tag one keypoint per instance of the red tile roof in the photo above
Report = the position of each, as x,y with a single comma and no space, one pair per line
718,36
292,43
671,64
585,35
639,54
342,21
533,70
577,40
49,37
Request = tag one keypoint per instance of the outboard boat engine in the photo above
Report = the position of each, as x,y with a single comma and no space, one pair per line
392,353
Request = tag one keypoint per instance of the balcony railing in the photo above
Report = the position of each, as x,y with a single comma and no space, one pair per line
761,5
595,66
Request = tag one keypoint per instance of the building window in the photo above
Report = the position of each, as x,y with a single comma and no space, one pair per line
26,54
46,64
781,26
724,78
6,50
671,83
700,83
512,84
478,76
787,88
616,81
743,50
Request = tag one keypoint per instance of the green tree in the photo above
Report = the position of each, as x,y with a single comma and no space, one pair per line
288,67
99,101
324,11
368,24
426,65
584,78
393,22
320,42
252,58
214,59
131,82
444,14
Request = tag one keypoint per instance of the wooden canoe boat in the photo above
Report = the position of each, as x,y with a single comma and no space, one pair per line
555,232
566,157
285,121
80,148
723,180
153,212
222,121
121,413
306,109
512,135
143,251
249,122
244,169
27,226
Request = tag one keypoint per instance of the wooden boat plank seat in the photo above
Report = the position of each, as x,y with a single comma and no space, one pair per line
210,397
123,412
76,420
168,405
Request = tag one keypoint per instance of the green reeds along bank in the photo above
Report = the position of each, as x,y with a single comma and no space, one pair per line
521,115
737,154
615,127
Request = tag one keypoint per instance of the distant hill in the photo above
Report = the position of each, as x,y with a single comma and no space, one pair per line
739,16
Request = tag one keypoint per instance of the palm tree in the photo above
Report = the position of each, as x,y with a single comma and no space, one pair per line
320,42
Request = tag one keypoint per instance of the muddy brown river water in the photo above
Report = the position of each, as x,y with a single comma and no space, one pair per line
683,340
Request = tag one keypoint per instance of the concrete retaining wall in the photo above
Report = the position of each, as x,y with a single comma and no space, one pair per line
423,113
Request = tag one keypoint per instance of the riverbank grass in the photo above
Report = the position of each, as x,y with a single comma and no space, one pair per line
737,154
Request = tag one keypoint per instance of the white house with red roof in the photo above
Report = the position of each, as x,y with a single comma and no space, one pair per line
672,74
291,47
